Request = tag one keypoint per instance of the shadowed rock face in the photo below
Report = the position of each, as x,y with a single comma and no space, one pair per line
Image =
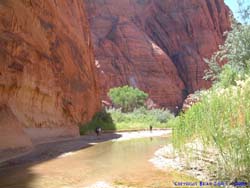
156,45
47,73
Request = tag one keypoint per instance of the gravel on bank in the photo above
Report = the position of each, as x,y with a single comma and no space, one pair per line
194,162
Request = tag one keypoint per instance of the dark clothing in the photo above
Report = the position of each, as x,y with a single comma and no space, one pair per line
98,131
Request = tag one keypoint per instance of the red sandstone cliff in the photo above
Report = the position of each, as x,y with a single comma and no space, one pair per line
156,45
47,72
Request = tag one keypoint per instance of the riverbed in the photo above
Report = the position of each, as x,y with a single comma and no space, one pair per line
110,160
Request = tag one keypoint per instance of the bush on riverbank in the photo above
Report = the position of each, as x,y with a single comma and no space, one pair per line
221,118
138,119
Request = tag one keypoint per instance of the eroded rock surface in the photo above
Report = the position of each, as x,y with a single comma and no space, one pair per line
156,45
47,72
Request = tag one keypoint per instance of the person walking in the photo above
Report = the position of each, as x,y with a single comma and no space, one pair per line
98,131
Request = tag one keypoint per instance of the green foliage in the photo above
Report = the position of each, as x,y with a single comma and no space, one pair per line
220,120
132,115
155,117
127,98
140,118
237,47
160,115
214,68
228,76
101,119
236,52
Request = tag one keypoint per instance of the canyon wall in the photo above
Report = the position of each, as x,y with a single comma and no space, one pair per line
47,73
156,45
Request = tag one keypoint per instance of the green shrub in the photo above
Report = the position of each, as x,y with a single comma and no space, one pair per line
127,98
101,119
228,76
222,120
160,115
140,118
236,52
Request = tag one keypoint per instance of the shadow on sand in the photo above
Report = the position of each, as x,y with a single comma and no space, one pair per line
16,173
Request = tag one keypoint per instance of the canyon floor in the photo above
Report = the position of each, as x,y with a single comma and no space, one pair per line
112,160
64,147
164,163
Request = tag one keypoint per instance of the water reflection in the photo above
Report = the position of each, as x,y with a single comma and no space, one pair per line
123,162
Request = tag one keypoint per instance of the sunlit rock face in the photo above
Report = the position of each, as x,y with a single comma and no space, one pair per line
47,72
156,45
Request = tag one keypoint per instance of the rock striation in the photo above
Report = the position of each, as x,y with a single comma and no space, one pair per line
47,74
156,45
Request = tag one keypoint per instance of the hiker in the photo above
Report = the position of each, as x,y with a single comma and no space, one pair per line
98,131
150,128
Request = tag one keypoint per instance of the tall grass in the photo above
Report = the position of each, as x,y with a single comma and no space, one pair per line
220,120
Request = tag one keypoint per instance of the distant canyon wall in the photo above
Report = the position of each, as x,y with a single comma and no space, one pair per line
48,81
156,45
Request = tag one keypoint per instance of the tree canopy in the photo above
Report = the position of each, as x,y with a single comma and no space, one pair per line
127,98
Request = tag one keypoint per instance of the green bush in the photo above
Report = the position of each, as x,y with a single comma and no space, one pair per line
127,98
236,52
228,76
101,119
160,115
138,119
221,120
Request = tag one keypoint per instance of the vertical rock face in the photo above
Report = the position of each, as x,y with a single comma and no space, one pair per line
47,72
156,45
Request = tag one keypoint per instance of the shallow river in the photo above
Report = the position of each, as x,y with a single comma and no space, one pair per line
123,163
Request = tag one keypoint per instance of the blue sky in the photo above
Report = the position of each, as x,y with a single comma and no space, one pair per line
233,6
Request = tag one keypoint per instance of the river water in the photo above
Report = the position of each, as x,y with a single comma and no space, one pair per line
118,163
